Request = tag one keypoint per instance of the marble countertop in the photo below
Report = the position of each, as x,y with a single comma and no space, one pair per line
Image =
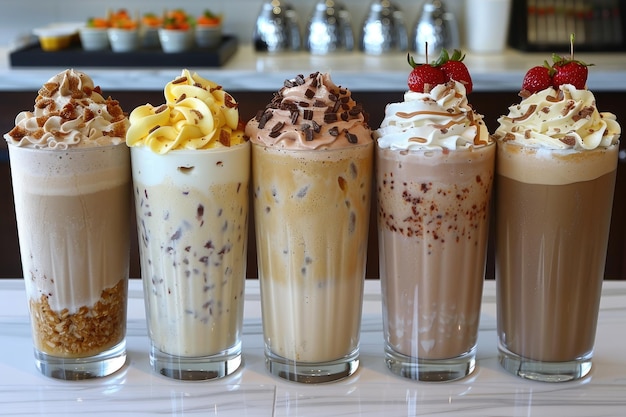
248,70
372,391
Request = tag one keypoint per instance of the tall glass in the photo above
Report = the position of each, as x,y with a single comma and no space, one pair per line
433,221
311,212
192,219
553,218
73,217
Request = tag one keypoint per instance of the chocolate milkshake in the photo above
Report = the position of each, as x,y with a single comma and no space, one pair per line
191,165
556,166
71,183
312,159
434,188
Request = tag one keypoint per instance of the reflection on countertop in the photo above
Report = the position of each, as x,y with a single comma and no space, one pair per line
248,70
372,391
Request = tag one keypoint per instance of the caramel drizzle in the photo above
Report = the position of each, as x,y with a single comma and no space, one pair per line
405,115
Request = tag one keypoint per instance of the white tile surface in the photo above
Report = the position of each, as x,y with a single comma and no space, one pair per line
372,391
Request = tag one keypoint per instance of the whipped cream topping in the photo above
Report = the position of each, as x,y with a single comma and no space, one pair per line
441,118
310,113
566,118
197,114
70,112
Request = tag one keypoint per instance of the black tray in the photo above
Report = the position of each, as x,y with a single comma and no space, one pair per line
76,56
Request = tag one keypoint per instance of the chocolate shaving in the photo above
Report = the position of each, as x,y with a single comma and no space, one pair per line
265,117
319,103
230,102
333,131
352,138
308,132
309,93
316,126
568,140
330,118
294,116
307,114
275,132
224,137
300,79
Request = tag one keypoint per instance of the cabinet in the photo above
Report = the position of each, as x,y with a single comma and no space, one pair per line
490,104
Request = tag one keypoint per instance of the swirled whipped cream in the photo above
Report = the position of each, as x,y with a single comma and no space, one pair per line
566,118
441,118
310,113
70,112
197,114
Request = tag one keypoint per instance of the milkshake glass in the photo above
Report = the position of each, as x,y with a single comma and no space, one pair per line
554,199
71,184
312,190
190,181
434,191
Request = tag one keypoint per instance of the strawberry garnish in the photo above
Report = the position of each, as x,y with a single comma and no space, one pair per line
569,71
538,78
454,68
424,77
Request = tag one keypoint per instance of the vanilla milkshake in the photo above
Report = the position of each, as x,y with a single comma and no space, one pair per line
435,169
71,182
312,157
191,164
556,167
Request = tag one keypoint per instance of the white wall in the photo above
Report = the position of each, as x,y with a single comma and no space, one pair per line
19,17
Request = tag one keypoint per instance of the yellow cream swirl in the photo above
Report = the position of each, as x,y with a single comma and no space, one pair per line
197,114
566,118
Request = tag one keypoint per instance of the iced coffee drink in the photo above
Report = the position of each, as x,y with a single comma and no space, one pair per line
312,156
556,166
434,175
71,183
191,164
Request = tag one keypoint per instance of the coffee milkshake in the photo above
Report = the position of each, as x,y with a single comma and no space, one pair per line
71,182
556,213
434,189
191,165
312,159
556,167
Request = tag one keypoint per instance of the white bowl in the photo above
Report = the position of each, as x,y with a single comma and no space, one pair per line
123,40
173,40
208,36
93,39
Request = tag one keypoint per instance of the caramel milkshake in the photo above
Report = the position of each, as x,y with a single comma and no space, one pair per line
556,167
312,158
191,165
71,182
435,169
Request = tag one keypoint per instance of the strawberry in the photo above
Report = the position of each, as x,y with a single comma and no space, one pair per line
424,77
569,72
454,68
538,78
